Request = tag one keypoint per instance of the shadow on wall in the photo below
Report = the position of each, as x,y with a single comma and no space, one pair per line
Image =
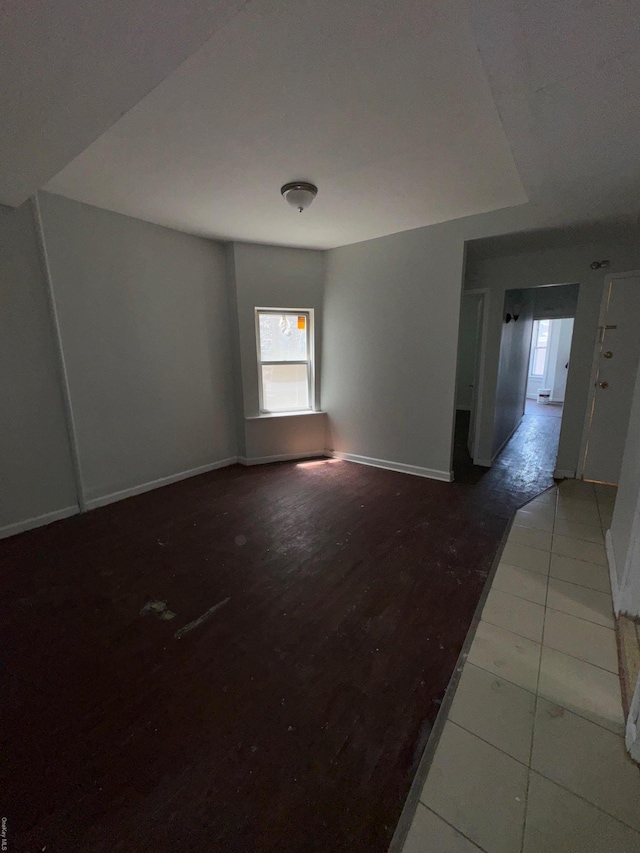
513,366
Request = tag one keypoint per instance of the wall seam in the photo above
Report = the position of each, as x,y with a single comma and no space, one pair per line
61,364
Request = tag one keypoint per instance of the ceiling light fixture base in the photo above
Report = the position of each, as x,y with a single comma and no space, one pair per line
299,194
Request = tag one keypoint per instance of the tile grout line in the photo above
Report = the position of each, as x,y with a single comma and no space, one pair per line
535,701
588,621
548,645
556,609
585,800
553,701
532,770
488,742
522,636
455,828
555,554
582,660
582,586
504,678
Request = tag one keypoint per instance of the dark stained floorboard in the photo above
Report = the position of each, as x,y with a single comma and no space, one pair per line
294,717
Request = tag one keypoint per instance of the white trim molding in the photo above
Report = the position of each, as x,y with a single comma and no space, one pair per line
483,463
94,503
400,467
628,589
632,731
505,442
564,474
38,521
280,457
61,364
613,574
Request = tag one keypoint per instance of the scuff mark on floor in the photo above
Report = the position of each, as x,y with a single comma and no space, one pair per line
159,609
191,625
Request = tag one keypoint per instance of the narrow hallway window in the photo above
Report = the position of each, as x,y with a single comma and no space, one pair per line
540,341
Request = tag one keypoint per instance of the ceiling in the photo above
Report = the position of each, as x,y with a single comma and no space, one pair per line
383,104
404,112
70,69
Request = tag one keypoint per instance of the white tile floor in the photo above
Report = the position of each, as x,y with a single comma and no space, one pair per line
531,758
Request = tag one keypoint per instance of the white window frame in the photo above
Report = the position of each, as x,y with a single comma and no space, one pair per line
309,361
534,349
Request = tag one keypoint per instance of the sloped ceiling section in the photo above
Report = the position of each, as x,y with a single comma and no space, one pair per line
384,104
565,77
69,69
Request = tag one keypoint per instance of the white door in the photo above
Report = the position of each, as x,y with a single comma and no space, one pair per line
613,379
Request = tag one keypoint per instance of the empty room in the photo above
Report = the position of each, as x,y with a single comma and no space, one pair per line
320,427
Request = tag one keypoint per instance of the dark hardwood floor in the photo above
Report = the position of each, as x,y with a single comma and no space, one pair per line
523,469
293,717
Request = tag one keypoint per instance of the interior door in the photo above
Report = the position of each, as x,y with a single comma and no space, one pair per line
614,373
471,438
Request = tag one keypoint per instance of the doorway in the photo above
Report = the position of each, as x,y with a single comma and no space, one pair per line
515,438
548,366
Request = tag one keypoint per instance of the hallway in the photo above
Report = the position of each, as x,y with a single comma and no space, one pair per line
549,410
523,469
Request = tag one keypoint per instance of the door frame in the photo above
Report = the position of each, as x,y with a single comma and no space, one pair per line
595,364
481,356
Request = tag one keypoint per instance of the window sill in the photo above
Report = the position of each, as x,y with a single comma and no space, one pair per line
267,415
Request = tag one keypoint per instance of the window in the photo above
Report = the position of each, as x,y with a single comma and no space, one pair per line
540,344
285,359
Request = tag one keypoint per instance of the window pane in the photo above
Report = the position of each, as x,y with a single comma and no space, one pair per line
284,387
283,337
538,362
543,333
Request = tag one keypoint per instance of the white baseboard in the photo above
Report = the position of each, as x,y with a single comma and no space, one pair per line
484,463
280,457
400,467
506,441
613,575
564,474
94,503
632,735
38,521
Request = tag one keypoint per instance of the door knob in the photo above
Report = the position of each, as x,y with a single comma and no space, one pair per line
604,385
608,354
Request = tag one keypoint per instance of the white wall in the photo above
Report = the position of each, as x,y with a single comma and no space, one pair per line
274,277
563,353
556,265
36,474
623,539
154,337
513,366
385,399
551,302
284,436
467,345
389,358
145,326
